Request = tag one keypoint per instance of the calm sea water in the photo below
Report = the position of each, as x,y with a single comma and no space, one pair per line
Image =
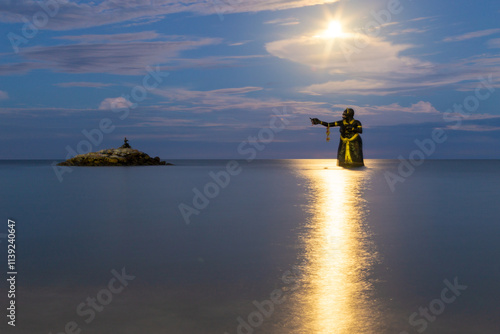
287,246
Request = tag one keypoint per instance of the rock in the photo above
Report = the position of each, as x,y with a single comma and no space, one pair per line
115,157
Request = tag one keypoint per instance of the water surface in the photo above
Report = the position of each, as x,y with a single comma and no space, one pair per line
345,253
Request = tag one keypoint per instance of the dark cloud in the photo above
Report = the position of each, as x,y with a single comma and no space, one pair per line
19,68
115,58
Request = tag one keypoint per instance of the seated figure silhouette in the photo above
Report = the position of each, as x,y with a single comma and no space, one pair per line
125,143
350,151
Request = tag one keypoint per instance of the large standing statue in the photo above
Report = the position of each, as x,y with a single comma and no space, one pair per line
350,152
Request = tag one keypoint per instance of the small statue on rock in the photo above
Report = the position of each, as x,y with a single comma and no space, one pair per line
125,143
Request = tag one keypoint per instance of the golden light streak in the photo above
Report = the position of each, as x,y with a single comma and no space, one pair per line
338,255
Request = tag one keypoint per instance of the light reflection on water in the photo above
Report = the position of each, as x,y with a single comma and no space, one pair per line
335,294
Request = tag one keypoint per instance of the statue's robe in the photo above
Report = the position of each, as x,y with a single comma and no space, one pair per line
350,151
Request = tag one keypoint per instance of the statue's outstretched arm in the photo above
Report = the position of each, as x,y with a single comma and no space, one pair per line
315,121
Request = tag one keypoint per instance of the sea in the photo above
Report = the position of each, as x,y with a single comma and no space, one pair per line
249,247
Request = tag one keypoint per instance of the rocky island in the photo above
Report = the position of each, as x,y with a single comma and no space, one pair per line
122,156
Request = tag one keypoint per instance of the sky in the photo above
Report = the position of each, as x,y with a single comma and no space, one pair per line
219,78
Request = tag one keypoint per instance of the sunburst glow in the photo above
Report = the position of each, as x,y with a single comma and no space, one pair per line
334,30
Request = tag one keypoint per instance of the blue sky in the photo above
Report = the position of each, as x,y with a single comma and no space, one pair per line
225,68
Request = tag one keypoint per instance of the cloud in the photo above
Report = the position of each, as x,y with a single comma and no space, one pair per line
366,65
392,114
231,102
130,57
384,86
3,95
421,107
409,31
123,54
115,103
352,53
37,112
470,35
464,75
19,68
74,15
138,36
422,18
351,87
83,84
474,128
144,21
239,43
284,21
208,62
396,115
422,112
236,104
494,43
214,99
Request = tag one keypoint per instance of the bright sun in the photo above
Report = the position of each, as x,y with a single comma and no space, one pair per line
334,30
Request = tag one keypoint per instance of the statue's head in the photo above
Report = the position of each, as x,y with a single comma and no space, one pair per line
348,114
